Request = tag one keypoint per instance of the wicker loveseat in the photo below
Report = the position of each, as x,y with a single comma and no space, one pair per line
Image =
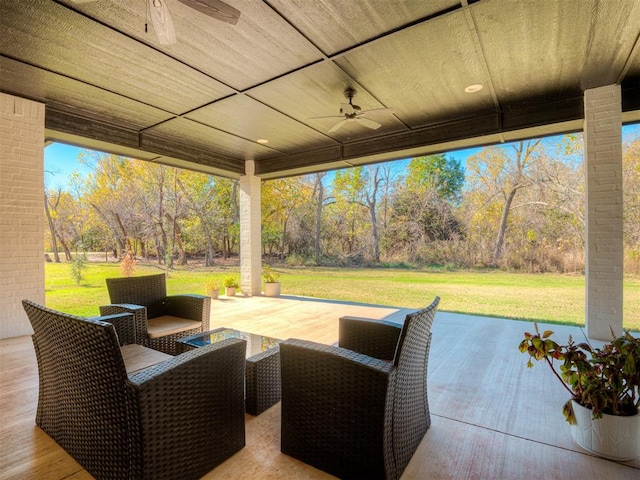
160,319
358,410
122,419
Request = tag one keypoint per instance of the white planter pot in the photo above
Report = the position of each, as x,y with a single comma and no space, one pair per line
272,289
213,293
613,437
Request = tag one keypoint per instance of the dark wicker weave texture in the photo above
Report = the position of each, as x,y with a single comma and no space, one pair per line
263,381
146,297
175,420
353,415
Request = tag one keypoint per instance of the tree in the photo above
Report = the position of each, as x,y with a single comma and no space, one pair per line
631,199
423,204
503,172
320,200
49,206
439,173
282,199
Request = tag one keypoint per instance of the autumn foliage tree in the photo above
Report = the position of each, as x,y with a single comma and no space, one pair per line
516,206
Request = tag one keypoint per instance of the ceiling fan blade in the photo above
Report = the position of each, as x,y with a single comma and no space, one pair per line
326,116
376,111
337,126
216,9
347,108
369,123
161,21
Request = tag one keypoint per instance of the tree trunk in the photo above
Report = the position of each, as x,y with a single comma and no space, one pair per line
209,252
52,229
374,231
65,247
319,205
503,226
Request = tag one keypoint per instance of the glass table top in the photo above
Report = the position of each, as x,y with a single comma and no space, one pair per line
255,343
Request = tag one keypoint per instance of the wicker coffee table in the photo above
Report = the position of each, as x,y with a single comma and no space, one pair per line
262,377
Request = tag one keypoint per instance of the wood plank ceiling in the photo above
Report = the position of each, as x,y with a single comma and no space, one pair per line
203,102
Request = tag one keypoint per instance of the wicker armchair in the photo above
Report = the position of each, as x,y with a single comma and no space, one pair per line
160,319
351,414
176,419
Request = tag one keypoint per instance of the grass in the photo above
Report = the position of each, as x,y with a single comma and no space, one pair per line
550,298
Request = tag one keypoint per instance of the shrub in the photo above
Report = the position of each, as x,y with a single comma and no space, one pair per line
78,266
128,265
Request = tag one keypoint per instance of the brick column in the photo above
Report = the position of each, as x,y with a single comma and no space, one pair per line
250,231
21,211
603,209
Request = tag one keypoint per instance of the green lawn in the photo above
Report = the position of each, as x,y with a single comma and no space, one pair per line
545,297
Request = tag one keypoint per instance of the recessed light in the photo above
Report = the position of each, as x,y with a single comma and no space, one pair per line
476,87
262,140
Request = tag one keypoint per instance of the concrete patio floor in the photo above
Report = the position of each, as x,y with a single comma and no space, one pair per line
492,418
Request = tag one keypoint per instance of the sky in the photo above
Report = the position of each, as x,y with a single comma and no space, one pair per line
61,160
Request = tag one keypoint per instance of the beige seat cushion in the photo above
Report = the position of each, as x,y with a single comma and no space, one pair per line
137,357
168,325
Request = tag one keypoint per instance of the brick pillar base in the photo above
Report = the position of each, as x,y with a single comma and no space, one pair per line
604,246
250,232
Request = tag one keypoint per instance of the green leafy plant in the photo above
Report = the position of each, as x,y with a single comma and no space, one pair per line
78,266
231,282
212,286
269,276
605,380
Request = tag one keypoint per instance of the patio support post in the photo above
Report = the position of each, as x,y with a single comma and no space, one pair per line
604,252
21,211
250,231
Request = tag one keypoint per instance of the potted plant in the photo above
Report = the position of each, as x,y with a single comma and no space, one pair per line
230,285
604,384
271,282
212,288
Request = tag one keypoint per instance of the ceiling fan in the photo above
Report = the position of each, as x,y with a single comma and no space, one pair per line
163,24
354,113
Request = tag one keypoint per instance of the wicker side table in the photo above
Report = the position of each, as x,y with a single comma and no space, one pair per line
262,371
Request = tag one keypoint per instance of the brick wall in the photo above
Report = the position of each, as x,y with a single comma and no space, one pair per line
604,249
250,232
21,211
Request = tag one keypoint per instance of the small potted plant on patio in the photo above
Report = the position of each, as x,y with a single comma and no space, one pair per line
604,384
230,285
212,288
271,282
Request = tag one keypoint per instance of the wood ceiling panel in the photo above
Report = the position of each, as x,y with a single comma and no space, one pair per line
317,91
261,38
563,47
421,76
200,136
250,119
63,93
50,36
336,26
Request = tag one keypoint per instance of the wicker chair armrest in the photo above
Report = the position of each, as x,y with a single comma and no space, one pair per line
125,326
139,313
193,307
197,399
196,359
376,338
